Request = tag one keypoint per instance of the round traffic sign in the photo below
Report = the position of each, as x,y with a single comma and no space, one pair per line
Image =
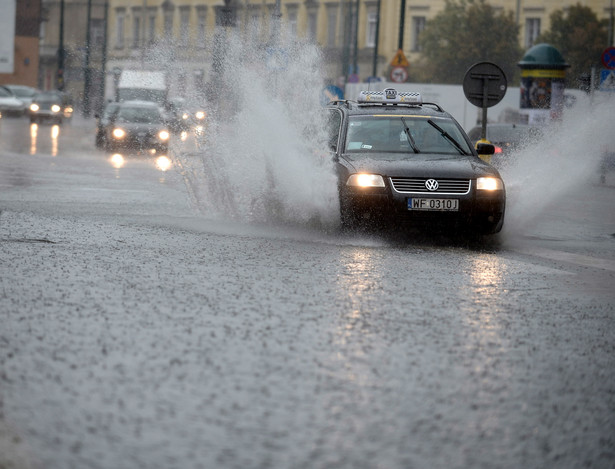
484,84
399,74
608,58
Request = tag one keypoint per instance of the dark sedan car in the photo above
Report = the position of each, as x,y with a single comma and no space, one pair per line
136,126
50,106
407,163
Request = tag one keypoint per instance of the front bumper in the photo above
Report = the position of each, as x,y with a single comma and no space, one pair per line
140,141
478,211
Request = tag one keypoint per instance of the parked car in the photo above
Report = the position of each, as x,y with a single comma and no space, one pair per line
10,105
50,106
136,126
405,163
23,92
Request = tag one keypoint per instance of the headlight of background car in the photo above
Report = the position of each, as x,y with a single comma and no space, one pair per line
34,107
163,135
365,180
55,108
489,184
200,115
118,133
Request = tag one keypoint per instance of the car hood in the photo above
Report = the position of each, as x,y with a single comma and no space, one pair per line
142,127
9,101
420,165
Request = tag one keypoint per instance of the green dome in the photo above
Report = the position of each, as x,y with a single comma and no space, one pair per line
543,56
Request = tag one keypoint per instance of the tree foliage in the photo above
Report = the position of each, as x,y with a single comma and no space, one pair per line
579,36
464,33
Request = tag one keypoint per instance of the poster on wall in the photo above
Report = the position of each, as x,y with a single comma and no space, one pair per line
7,36
542,96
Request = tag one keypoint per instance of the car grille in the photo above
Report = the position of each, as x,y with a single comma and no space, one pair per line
417,186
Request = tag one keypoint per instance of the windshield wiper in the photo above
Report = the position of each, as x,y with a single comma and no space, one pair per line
448,137
409,136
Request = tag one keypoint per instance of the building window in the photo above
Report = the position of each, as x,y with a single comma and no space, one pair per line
372,26
292,23
184,25
97,31
418,24
136,27
201,28
311,25
332,26
120,19
168,23
151,26
532,31
254,25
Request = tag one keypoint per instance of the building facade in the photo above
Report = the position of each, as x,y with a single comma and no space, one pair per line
73,49
359,38
26,54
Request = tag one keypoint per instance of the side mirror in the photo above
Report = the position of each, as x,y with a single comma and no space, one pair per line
485,149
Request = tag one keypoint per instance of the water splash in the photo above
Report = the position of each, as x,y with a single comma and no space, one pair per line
548,172
264,159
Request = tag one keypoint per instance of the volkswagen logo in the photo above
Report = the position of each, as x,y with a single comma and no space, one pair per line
431,185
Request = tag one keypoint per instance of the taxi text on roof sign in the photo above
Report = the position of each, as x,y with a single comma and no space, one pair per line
390,95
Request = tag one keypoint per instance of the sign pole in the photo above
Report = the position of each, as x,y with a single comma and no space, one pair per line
483,131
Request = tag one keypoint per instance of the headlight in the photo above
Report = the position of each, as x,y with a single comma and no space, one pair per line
200,115
163,135
185,116
68,110
489,184
365,180
55,108
118,133
34,107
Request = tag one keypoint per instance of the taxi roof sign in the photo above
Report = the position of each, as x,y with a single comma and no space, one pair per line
390,96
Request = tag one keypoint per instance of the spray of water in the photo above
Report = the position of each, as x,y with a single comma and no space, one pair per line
565,160
264,158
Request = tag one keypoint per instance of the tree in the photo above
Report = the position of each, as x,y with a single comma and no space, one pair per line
464,33
579,36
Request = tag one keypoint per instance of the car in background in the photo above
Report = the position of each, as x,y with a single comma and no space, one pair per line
185,116
11,105
50,106
23,92
136,126
103,120
506,137
404,163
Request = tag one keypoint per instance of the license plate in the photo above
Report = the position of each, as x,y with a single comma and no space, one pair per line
439,205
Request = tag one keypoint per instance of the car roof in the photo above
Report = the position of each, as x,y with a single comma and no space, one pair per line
19,87
138,103
389,101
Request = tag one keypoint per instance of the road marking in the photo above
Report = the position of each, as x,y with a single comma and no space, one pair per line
572,258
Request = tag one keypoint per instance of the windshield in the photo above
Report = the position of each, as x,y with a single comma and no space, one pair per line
23,92
143,115
47,98
369,134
